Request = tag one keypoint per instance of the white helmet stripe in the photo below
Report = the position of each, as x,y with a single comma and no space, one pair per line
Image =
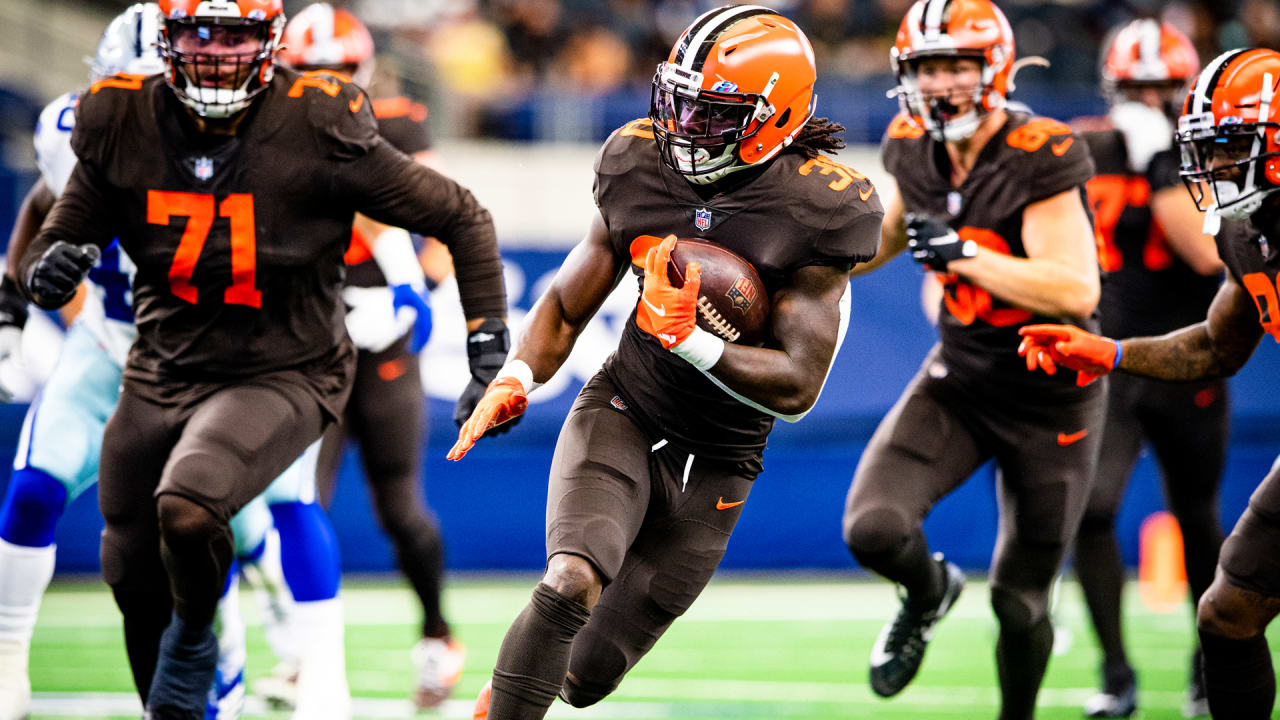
1149,44
714,26
1203,92
933,12
322,26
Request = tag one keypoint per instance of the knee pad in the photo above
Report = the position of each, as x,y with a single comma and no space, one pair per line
130,559
308,551
1018,610
582,693
34,502
596,668
184,521
876,534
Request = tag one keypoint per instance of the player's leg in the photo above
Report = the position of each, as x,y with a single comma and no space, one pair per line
1097,553
226,695
920,452
596,500
57,460
234,443
666,568
257,548
1188,428
1043,488
385,415
1234,612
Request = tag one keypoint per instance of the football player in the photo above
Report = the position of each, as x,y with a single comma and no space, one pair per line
232,184
993,200
1228,138
1161,274
389,322
658,454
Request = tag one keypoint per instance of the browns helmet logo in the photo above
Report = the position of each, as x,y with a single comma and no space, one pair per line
742,293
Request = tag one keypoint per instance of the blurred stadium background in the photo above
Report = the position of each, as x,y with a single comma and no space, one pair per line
520,93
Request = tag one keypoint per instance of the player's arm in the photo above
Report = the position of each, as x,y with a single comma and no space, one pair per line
35,208
1176,212
893,235
1215,348
1059,276
69,242
581,285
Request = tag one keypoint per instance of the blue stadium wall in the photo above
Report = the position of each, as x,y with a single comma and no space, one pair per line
491,506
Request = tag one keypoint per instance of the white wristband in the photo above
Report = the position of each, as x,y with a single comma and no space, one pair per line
701,349
521,371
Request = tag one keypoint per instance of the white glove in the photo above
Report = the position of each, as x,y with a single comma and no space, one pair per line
1146,132
373,322
10,361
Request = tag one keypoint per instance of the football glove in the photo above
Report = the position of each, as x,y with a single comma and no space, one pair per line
487,350
502,404
934,244
410,302
53,278
1049,346
668,313
13,317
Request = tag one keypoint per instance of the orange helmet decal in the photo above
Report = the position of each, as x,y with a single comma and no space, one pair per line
246,9
320,36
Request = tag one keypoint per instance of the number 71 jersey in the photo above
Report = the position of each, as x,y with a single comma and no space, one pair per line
238,239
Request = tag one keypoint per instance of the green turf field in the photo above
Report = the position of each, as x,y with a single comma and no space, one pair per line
791,647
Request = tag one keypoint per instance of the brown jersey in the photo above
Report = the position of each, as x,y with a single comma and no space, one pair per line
403,124
1254,262
1028,159
797,212
1146,288
238,240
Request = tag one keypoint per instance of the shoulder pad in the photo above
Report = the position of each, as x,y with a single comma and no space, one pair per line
103,108
839,203
52,141
339,111
618,154
1051,157
904,132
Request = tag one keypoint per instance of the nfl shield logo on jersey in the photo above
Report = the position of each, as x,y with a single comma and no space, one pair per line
742,293
702,219
202,168
955,202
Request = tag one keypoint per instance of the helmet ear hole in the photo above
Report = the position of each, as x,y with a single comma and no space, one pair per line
783,118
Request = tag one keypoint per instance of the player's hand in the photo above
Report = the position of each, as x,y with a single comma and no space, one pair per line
53,278
487,350
934,244
413,307
13,317
1049,346
504,401
666,312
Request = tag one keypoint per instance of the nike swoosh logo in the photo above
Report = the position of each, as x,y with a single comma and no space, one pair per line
864,195
1061,148
722,505
659,311
358,102
1064,439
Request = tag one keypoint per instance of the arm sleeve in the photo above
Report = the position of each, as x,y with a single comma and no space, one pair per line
1163,170
84,214
394,190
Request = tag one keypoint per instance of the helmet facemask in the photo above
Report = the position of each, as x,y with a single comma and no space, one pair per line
1223,166
936,111
699,132
218,65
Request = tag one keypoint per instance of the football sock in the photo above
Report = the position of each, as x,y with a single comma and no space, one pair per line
229,626
32,506
308,551
24,574
1021,658
1238,676
1101,575
534,656
146,615
323,692
263,569
184,672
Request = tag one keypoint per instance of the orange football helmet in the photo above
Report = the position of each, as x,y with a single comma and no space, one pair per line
973,29
1148,53
735,90
1227,134
220,54
322,38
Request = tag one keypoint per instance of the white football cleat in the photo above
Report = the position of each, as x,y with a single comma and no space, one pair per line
15,684
438,664
280,688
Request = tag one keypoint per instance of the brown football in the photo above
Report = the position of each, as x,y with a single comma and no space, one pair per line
733,303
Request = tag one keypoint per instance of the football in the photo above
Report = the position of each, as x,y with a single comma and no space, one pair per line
733,303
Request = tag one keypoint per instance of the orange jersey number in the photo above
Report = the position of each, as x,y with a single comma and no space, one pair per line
198,209
1109,195
967,302
1032,136
122,81
642,128
845,175
1263,292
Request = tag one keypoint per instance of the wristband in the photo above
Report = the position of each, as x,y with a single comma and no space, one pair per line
1119,354
701,349
523,374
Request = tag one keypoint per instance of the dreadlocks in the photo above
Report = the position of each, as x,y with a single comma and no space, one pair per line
817,135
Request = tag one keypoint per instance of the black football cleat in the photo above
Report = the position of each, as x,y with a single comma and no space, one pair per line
1119,696
899,649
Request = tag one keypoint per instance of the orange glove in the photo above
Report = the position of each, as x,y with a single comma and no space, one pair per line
666,312
503,400
1048,346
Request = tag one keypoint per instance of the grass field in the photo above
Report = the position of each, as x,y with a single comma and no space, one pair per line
789,647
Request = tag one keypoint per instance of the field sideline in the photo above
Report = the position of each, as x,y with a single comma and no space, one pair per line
751,647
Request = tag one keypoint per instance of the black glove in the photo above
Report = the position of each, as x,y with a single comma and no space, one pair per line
13,305
487,350
934,243
53,278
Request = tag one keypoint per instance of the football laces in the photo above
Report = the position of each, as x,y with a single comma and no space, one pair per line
718,323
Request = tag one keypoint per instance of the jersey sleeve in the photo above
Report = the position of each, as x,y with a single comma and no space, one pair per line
341,116
902,130
52,141
404,128
83,215
98,117
1054,158
1163,171
852,233
616,158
